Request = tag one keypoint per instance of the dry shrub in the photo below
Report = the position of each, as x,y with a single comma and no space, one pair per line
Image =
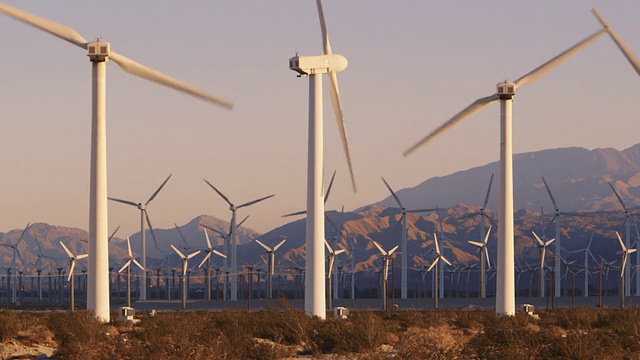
363,332
81,336
9,326
283,324
436,342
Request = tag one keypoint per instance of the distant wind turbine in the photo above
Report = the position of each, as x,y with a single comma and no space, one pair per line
272,262
99,53
127,265
72,266
505,290
143,215
15,252
207,258
542,246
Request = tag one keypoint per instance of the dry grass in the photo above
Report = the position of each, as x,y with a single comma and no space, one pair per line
283,332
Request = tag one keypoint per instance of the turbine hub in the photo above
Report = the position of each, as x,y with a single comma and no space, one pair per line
506,90
98,51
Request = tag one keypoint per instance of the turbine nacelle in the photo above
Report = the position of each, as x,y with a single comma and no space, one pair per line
319,64
98,50
506,90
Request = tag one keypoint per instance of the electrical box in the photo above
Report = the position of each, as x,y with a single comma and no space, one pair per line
341,312
127,313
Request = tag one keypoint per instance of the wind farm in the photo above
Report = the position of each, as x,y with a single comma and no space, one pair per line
544,238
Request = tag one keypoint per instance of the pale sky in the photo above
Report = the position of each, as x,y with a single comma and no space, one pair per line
412,65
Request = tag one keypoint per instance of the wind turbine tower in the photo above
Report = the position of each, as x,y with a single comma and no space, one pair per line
505,291
99,53
314,67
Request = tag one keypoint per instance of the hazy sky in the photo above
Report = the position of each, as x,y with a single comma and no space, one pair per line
412,65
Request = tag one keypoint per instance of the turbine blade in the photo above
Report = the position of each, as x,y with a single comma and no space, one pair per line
549,242
219,253
478,244
204,259
486,237
129,248
618,196
326,195
82,256
206,236
624,248
181,236
392,250
338,252
323,27
178,252
435,241
114,233
625,51
73,266
137,69
22,234
153,235
214,230
486,252
392,193
184,270
379,247
553,200
40,248
124,266
280,244
137,264
538,238
435,261
337,109
256,201
331,259
124,201
326,243
295,213
624,264
66,249
541,70
242,222
157,191
53,28
455,120
445,260
219,193
263,245
486,198
193,254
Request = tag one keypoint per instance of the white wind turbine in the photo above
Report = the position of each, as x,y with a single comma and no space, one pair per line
332,256
72,266
143,215
542,246
627,241
127,265
271,259
484,254
15,252
587,254
386,255
404,211
233,237
556,219
505,292
314,67
207,258
624,253
99,53
438,257
185,260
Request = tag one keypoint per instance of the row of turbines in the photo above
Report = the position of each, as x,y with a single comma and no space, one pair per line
313,67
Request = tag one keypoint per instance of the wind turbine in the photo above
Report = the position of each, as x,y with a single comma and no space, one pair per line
556,219
438,257
542,245
185,260
505,292
271,260
404,211
627,241
332,256
587,254
225,245
484,254
233,236
15,252
207,258
143,214
624,253
72,266
314,67
127,265
386,255
99,53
